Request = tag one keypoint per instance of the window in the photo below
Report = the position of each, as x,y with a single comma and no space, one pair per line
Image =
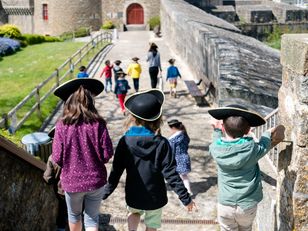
45,12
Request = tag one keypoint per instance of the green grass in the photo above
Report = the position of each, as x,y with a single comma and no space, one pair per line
22,72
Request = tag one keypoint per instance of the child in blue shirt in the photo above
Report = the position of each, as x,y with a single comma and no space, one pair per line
237,156
172,75
121,89
82,73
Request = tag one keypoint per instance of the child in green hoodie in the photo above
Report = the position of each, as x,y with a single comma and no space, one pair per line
237,156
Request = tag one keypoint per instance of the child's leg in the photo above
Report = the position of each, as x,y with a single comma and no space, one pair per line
62,213
226,217
133,221
186,182
121,98
92,203
245,218
136,84
110,84
152,219
74,209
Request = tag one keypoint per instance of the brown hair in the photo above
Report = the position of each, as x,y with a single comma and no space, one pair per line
154,126
179,126
236,126
79,107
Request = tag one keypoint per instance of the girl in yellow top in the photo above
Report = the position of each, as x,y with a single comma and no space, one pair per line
134,70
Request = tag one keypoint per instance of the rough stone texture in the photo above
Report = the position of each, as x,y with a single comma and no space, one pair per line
254,13
240,68
3,15
68,16
117,10
203,4
288,13
292,206
26,202
298,50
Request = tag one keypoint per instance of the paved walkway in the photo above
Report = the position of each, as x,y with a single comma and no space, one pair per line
203,176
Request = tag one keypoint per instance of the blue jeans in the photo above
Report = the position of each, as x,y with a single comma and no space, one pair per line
108,84
91,200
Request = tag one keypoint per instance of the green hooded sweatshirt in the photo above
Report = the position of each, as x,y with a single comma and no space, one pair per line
239,179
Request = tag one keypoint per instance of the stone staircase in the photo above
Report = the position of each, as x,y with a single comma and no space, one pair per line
136,27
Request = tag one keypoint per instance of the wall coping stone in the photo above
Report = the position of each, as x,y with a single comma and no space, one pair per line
294,52
21,153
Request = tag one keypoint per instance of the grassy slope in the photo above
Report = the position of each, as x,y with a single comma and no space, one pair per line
21,72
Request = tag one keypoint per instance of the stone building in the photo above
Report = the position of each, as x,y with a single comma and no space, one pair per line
54,17
130,13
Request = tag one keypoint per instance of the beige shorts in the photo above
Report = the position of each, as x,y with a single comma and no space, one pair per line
235,218
152,218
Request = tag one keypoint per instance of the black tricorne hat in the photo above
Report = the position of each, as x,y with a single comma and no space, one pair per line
66,89
146,105
174,122
254,119
120,72
117,62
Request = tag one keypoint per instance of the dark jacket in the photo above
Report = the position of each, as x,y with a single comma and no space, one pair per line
52,176
121,86
148,159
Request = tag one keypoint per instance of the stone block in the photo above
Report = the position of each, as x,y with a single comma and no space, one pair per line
294,52
26,201
255,13
224,12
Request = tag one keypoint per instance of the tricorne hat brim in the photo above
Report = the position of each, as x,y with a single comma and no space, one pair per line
66,89
157,93
253,118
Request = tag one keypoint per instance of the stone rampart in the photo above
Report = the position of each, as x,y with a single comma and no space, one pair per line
240,68
292,208
26,201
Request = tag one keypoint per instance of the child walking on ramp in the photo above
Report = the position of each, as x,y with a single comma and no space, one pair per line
172,75
107,70
237,156
81,147
134,71
121,89
179,141
148,159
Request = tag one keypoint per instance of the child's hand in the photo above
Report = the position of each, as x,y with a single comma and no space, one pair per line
190,206
277,134
216,123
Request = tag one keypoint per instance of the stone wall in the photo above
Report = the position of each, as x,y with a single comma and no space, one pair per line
292,195
3,15
26,201
240,68
116,10
68,16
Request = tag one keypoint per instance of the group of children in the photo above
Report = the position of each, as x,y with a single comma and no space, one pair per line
82,147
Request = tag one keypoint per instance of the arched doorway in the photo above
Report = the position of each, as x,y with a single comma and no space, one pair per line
135,14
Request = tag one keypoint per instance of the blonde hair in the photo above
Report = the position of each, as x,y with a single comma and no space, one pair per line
151,125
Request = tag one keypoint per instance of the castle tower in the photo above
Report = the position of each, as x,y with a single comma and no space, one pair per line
57,16
53,17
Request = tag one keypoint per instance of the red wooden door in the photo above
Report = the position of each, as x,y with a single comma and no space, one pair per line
135,14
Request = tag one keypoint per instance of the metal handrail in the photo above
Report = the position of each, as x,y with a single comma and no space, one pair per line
272,120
